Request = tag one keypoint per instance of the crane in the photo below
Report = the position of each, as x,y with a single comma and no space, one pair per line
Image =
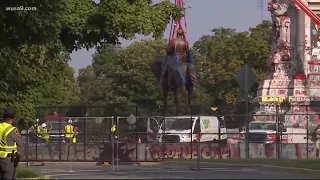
307,10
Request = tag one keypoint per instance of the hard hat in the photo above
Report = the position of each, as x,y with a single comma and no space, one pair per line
43,125
70,121
37,120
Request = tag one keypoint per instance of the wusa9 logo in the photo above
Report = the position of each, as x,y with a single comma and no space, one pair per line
21,8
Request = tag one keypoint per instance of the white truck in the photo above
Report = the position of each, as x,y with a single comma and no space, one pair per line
187,129
266,131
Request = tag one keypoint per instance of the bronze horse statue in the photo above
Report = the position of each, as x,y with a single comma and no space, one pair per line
176,73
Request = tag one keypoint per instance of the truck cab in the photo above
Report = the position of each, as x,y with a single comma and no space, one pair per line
264,132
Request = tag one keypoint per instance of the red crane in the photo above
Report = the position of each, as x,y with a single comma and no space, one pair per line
307,10
178,25
178,46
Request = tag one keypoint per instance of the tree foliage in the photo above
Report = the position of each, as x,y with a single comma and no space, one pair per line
35,45
221,56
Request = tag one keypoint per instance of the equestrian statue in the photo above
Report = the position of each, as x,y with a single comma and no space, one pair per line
176,71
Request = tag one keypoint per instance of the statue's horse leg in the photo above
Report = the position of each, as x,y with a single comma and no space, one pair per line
176,101
182,89
184,94
192,75
165,91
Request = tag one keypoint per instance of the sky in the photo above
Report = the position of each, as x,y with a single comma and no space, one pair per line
203,16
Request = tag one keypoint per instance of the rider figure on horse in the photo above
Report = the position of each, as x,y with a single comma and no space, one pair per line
180,46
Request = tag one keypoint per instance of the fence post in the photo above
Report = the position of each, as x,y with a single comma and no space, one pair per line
117,141
112,141
27,145
198,149
85,134
277,133
60,143
37,141
191,133
136,109
164,132
307,127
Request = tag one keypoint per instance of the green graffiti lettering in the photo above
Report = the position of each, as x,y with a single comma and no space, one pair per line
206,123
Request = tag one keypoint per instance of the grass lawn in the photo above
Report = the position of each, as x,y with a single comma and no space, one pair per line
308,165
296,163
26,173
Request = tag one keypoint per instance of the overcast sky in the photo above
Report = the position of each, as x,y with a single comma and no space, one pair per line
203,16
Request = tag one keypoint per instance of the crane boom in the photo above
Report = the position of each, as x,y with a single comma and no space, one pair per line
307,10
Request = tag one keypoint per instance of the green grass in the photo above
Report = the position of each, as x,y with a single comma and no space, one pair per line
26,173
295,163
308,165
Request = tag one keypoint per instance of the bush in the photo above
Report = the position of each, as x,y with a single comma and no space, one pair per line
26,173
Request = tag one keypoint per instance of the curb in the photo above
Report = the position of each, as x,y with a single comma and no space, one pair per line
42,177
149,163
251,165
292,168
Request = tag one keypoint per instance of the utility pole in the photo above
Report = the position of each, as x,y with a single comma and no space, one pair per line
260,7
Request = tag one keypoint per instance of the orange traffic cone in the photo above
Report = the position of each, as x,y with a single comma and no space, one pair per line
139,139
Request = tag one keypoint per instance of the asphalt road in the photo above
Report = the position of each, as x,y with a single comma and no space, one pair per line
90,171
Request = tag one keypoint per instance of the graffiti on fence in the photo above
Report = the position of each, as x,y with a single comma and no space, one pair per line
188,151
55,151
289,151
132,152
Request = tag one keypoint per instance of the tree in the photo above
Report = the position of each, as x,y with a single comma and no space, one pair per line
123,76
62,90
223,54
85,83
35,45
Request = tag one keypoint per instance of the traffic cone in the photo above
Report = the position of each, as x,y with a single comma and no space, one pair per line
139,139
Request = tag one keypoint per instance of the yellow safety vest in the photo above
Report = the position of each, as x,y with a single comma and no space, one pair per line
44,133
113,130
70,133
5,149
37,128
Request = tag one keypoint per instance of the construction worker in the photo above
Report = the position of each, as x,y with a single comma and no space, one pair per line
36,126
45,136
114,133
11,146
35,130
44,132
70,135
70,132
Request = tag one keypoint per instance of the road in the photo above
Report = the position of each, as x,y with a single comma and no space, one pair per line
90,171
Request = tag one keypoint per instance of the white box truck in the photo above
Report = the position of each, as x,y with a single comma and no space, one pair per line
177,129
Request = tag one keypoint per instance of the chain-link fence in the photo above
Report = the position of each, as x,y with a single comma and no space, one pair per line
154,134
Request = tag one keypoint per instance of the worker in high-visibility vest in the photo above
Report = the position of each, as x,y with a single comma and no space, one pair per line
35,130
114,132
70,132
44,132
36,126
45,136
11,145
70,136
